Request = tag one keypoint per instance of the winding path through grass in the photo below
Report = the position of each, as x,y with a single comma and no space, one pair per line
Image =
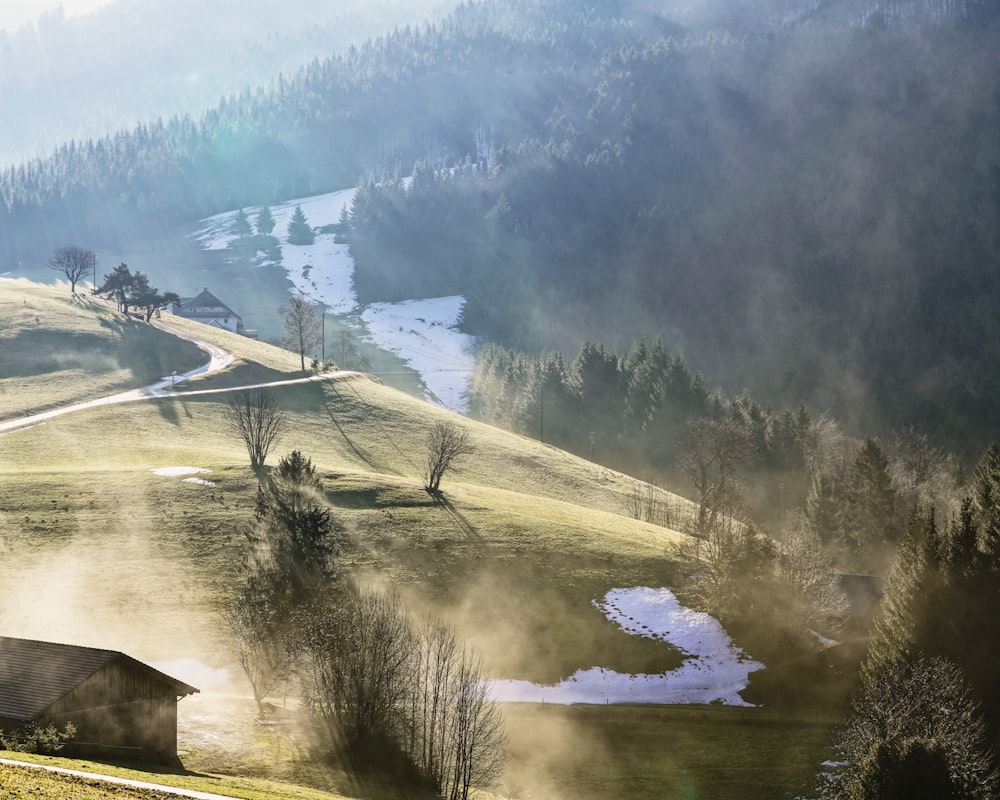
219,359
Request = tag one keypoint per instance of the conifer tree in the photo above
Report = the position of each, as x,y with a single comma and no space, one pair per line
986,500
924,698
117,285
910,595
299,231
870,499
240,226
293,531
265,221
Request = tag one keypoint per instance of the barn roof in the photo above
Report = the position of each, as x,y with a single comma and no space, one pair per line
34,675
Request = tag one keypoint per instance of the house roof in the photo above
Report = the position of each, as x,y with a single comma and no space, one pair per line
204,304
34,675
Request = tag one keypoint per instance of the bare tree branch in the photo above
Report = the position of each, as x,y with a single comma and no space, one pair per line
256,418
303,327
447,443
73,262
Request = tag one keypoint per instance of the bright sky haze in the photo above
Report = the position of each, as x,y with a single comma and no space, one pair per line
15,13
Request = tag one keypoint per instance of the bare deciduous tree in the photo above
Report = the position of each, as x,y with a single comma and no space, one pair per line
73,262
255,617
806,570
359,643
654,504
453,730
303,327
447,444
257,419
711,453
432,670
476,737
371,675
726,566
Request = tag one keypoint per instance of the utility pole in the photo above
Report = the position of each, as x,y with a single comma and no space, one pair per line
541,413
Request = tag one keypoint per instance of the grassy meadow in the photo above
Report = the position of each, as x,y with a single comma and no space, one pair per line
27,783
96,549
79,346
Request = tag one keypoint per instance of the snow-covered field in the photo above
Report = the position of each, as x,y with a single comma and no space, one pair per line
715,670
422,333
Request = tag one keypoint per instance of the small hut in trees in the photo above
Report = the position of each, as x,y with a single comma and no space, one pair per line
121,708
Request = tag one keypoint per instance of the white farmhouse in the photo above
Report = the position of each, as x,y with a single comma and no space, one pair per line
210,310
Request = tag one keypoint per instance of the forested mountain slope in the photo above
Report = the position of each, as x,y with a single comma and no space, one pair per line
803,197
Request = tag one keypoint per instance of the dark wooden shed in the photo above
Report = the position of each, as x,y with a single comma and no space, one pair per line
121,707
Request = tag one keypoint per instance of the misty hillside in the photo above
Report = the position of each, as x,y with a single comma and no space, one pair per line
803,197
166,58
641,643
102,507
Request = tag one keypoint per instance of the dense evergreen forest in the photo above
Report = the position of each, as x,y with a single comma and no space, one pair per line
804,198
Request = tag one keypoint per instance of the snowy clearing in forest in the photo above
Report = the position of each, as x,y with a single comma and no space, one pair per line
715,670
423,333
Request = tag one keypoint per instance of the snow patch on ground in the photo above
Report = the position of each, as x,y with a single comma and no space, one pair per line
177,472
715,670
423,333
199,481
324,270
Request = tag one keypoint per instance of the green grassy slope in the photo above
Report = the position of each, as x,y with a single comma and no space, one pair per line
26,783
97,549
57,349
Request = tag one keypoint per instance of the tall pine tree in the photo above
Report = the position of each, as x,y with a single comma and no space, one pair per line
299,231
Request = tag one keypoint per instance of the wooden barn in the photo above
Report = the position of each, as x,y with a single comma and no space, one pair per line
122,708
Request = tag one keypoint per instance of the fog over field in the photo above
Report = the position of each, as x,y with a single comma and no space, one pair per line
598,399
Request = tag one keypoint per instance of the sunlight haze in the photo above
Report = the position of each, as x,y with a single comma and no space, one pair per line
16,13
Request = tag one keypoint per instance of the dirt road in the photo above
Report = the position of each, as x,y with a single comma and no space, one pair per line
219,359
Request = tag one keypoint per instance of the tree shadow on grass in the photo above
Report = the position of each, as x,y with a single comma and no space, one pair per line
168,766
378,769
141,348
168,410
330,397
460,519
